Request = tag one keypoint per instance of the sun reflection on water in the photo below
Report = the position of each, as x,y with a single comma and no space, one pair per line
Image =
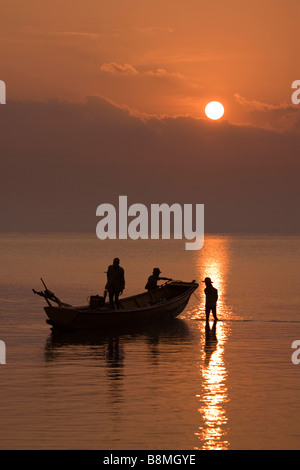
213,395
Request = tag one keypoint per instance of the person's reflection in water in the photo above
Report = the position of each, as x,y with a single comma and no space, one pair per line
115,373
153,341
211,341
213,396
115,356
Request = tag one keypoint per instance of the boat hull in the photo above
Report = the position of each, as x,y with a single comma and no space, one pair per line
166,302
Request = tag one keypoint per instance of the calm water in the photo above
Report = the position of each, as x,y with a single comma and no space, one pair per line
178,386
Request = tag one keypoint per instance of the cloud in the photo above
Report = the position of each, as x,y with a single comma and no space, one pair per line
127,69
282,116
259,105
114,68
77,34
61,159
162,73
29,30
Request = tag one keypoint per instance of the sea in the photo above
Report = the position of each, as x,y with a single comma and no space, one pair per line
179,385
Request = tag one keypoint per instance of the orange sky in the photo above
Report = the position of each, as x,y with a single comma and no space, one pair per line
107,97
168,57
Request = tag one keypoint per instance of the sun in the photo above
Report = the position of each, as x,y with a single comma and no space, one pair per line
214,110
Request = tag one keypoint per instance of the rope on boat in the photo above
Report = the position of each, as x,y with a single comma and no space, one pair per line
197,297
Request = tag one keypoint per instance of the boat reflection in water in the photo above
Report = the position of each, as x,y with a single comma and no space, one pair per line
118,366
213,393
109,344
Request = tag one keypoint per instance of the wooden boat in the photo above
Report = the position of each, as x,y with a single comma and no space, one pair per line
165,302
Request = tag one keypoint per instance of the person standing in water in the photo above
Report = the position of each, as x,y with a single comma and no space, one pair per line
115,282
211,294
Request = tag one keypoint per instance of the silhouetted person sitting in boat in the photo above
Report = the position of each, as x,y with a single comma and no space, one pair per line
211,294
115,282
152,280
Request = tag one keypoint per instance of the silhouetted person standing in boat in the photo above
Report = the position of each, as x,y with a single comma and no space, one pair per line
152,280
211,294
115,282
